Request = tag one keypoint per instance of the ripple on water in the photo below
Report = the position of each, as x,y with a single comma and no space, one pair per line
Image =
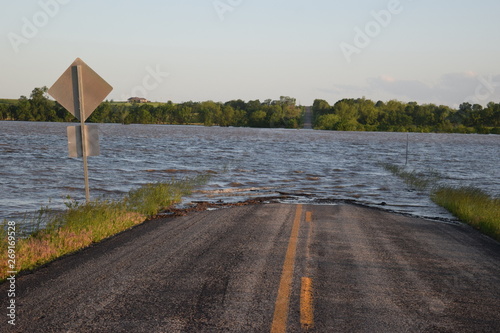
242,162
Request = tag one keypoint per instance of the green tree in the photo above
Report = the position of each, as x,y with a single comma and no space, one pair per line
23,110
253,106
4,111
368,114
163,114
320,107
287,100
182,114
237,104
143,114
42,109
62,113
328,122
102,114
258,119
276,115
491,115
209,113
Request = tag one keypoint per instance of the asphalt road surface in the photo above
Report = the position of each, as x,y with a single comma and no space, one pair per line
271,268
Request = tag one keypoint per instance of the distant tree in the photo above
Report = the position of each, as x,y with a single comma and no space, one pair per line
328,122
253,106
287,100
491,115
23,110
182,114
237,104
209,113
62,114
275,115
320,107
345,115
473,118
102,114
4,111
258,119
143,114
463,112
368,114
42,109
163,113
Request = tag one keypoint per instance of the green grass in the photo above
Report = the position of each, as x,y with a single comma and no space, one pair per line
8,101
471,206
125,103
152,198
84,224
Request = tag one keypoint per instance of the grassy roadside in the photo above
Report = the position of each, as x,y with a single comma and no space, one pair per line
84,224
471,206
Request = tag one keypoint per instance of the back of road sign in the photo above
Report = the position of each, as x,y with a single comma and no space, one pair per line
75,141
65,90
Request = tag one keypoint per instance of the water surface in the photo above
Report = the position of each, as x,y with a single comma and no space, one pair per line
35,169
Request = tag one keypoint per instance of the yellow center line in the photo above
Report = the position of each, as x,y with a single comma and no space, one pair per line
306,304
283,299
306,289
308,217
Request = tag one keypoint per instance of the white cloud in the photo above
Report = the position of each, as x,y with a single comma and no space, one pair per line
451,89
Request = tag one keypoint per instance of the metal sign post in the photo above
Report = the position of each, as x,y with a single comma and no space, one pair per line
81,111
80,90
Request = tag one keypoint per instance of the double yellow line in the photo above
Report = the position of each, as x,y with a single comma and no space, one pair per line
282,304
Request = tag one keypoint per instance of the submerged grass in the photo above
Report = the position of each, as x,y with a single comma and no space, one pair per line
471,206
84,224
413,179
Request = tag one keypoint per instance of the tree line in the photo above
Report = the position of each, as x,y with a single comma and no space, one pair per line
345,115
365,115
282,113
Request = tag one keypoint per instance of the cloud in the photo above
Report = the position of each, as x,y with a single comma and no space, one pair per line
451,89
402,89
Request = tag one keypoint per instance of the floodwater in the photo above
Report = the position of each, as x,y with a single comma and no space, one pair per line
312,166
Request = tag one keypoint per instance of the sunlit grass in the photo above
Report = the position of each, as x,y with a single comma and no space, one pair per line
471,206
84,224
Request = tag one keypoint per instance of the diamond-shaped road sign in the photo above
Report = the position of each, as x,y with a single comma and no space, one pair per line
66,89
80,90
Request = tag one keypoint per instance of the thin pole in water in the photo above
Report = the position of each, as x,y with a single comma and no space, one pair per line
407,146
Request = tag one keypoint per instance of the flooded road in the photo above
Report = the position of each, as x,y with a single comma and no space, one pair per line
311,166
271,268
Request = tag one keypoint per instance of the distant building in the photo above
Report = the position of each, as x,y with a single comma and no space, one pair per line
137,100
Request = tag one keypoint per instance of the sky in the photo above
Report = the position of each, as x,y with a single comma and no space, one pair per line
429,51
